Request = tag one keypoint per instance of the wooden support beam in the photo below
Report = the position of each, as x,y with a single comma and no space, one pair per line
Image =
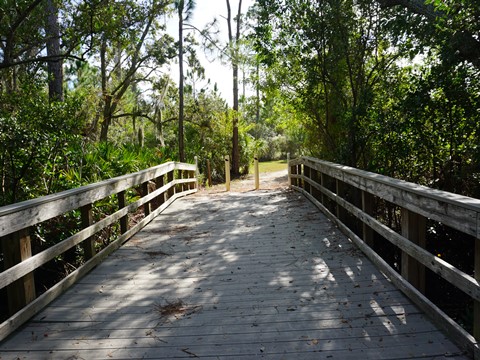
476,316
159,182
307,174
190,175
314,175
256,172
227,173
294,171
367,207
289,170
340,191
16,248
181,175
322,183
87,220
145,191
123,219
195,174
170,191
209,173
185,175
414,229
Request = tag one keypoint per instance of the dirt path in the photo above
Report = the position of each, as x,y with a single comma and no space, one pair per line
268,181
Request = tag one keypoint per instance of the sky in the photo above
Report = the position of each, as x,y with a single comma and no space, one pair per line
204,12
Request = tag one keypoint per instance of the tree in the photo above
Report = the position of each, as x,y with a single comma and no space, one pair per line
161,87
233,46
454,23
184,11
31,36
135,32
19,39
327,58
55,62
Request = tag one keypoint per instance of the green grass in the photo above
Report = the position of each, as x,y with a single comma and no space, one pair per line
270,166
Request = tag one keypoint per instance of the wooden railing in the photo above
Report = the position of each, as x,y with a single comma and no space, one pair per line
344,193
156,188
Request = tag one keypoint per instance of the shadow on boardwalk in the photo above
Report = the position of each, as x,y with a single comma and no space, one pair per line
233,276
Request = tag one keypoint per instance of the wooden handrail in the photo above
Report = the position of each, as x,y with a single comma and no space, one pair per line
17,219
417,204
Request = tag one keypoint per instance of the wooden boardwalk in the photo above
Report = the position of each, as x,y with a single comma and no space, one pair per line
233,276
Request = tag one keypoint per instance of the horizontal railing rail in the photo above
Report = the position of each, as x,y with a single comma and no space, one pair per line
342,192
156,188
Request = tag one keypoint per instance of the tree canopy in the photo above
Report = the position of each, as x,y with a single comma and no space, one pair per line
387,85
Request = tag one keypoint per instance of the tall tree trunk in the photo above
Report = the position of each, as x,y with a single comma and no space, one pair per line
257,90
107,98
233,43
159,114
55,63
107,117
159,126
181,145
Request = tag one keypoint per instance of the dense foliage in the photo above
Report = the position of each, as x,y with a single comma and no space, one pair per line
377,86
117,109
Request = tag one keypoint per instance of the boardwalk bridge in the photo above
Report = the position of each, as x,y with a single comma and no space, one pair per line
240,275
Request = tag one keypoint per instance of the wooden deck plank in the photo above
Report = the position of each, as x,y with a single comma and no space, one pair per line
258,275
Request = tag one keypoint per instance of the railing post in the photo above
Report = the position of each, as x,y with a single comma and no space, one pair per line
476,310
196,173
121,205
17,248
314,178
301,171
159,182
227,172
171,191
184,175
340,191
255,168
322,183
178,187
414,229
88,245
307,172
367,207
209,173
289,170
293,171
146,207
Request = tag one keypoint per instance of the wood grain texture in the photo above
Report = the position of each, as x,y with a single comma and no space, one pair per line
51,294
455,331
19,270
460,212
463,281
27,213
245,275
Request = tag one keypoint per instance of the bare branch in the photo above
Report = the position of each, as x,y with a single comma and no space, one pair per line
136,114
